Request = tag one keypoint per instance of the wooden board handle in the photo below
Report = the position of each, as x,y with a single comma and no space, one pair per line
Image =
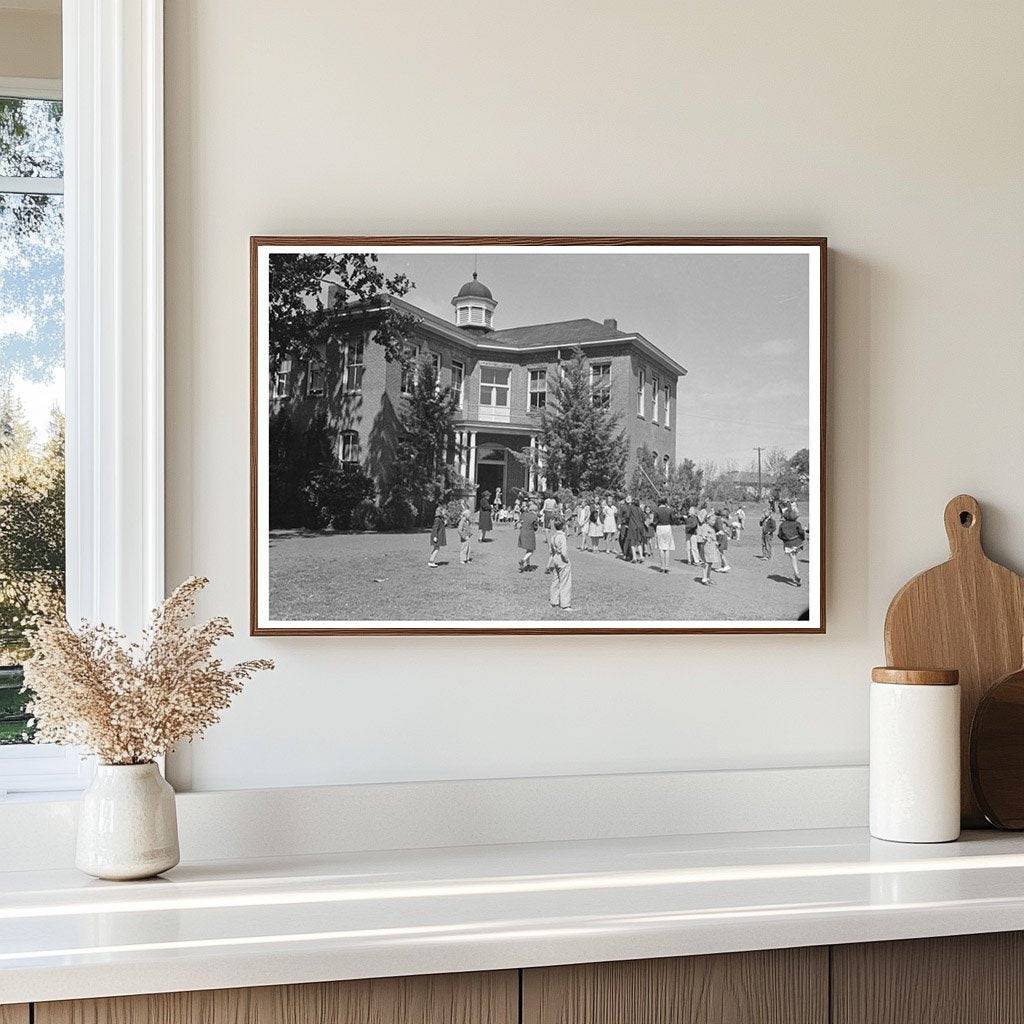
963,526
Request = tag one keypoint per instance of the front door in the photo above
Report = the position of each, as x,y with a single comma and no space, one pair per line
490,476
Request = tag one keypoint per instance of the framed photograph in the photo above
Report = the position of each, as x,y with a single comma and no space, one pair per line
537,435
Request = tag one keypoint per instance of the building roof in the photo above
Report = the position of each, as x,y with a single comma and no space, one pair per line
535,337
475,289
561,332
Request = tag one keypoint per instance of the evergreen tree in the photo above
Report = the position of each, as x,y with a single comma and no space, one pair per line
585,446
423,474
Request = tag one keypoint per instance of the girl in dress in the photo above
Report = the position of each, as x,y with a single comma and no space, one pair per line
706,547
793,536
485,522
561,586
596,528
528,525
438,539
611,527
663,532
636,530
583,522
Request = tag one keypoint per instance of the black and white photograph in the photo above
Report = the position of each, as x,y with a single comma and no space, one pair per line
510,435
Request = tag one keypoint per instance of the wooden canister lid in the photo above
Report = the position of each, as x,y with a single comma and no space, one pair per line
916,676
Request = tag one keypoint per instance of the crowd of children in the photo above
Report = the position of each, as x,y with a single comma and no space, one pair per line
629,529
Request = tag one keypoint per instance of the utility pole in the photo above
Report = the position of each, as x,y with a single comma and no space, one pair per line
758,450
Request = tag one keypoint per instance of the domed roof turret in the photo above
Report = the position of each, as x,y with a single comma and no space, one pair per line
474,289
474,306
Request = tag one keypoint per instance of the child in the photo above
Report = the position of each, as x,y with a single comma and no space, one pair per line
690,524
596,529
722,532
485,521
465,535
528,525
438,539
706,547
611,529
583,522
767,524
561,586
741,515
663,532
792,535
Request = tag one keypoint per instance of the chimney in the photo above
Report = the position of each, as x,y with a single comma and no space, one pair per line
612,325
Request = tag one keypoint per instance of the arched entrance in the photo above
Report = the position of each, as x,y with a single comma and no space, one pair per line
491,469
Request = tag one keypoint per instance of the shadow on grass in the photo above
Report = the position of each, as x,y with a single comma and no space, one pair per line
776,578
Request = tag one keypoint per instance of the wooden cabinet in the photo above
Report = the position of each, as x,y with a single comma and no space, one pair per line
778,986
491,998
970,979
962,979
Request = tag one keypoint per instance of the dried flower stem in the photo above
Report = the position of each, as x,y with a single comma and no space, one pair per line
129,703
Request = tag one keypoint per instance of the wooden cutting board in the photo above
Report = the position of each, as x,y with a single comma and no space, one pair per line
967,614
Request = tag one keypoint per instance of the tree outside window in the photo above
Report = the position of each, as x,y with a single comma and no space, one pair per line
31,386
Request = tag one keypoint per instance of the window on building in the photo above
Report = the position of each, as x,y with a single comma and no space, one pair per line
459,381
410,368
435,363
666,467
494,386
349,446
655,399
601,385
538,390
282,380
476,315
668,403
355,353
641,397
317,372
31,393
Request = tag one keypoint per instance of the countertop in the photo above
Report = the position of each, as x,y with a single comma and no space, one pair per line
262,922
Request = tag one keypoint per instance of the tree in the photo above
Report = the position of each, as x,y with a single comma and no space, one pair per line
685,488
353,286
584,446
31,527
800,465
423,475
645,482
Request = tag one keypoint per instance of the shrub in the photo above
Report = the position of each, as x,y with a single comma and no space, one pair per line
398,513
365,516
332,494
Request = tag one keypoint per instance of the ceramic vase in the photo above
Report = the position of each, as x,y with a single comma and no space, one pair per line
127,825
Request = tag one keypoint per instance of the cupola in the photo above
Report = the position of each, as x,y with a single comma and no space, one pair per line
474,305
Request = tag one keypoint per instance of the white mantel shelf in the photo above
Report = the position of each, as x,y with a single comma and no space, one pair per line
264,922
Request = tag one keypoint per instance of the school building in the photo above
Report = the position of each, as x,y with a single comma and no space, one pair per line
502,377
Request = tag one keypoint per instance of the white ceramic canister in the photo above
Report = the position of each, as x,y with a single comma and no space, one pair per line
915,755
127,825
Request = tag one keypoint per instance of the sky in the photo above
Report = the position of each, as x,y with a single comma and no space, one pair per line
738,322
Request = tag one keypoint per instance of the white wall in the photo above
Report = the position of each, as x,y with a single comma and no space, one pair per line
895,129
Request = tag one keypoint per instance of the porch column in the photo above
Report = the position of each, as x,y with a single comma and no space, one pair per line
543,466
472,456
459,457
531,480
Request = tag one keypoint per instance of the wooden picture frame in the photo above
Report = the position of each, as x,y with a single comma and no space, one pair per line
815,249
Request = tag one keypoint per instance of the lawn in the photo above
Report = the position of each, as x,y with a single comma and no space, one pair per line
384,576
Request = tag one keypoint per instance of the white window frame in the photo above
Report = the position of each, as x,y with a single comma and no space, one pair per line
114,313
495,387
604,390
668,406
352,436
412,366
531,390
461,390
354,344
655,398
641,393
